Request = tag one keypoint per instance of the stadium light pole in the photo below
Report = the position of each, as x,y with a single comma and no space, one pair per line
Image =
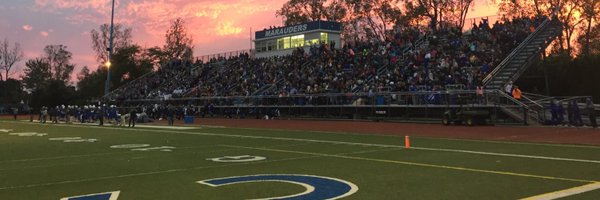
110,51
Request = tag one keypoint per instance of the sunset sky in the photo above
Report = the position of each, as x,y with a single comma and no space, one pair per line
216,25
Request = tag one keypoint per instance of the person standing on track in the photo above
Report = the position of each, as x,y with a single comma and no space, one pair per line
132,117
15,112
576,114
171,114
591,110
43,114
100,112
54,115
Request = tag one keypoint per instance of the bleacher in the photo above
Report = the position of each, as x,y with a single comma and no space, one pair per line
410,59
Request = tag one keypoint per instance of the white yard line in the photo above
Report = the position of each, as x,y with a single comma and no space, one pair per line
509,155
345,143
566,192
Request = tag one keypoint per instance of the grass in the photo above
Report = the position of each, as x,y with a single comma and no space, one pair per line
37,168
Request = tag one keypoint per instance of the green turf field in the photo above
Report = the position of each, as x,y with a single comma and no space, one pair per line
59,161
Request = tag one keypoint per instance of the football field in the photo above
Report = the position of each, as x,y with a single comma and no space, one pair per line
70,161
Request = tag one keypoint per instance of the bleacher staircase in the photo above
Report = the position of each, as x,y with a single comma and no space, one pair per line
515,64
524,55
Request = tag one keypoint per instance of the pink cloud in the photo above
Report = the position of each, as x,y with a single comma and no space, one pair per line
212,23
44,33
27,27
74,4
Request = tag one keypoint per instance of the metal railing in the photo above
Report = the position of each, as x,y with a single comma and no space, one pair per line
130,82
411,106
413,98
226,55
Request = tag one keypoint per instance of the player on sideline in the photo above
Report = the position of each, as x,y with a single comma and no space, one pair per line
171,114
132,117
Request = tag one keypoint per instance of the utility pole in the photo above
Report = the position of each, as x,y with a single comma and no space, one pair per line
110,51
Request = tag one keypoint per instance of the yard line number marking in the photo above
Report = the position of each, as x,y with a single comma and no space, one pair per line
98,196
317,187
243,158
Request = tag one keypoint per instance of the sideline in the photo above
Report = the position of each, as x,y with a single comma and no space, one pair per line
371,134
426,137
333,142
111,125
566,192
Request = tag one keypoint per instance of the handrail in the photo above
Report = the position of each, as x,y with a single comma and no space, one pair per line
535,95
532,101
527,108
502,93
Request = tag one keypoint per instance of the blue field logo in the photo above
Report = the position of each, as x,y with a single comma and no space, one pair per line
99,196
317,187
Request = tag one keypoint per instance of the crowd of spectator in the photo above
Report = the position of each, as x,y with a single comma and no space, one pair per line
410,59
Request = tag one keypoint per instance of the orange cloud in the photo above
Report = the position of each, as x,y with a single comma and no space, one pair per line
227,28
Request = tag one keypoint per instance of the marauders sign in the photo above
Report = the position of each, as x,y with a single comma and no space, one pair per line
286,30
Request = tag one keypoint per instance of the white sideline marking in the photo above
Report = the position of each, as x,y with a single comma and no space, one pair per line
212,126
566,192
348,143
167,127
